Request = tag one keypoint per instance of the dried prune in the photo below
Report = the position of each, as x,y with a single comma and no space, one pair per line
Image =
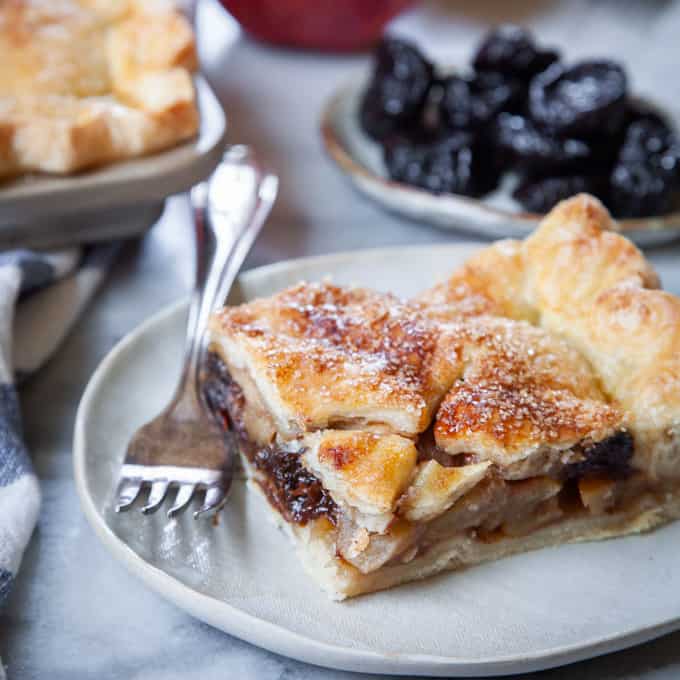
397,93
403,155
511,50
581,100
610,457
291,488
540,195
455,164
472,102
532,149
651,141
637,110
638,189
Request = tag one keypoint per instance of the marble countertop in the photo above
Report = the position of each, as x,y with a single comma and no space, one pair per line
75,613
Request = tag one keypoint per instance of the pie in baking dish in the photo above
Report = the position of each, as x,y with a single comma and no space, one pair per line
89,82
531,399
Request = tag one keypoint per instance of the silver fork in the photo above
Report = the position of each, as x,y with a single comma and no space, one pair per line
183,447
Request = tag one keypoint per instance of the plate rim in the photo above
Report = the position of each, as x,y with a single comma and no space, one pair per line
357,172
277,638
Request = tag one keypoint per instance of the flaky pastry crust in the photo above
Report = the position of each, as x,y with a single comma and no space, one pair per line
85,83
582,280
325,356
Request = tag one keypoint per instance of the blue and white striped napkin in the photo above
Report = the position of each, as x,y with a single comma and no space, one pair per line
41,296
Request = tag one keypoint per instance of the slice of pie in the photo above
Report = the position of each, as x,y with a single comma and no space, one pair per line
89,82
531,399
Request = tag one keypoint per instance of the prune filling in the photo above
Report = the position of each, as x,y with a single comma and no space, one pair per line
296,493
223,396
649,141
610,457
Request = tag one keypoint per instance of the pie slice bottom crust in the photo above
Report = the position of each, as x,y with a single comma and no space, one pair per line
395,439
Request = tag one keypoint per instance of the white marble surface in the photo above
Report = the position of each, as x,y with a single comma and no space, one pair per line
77,614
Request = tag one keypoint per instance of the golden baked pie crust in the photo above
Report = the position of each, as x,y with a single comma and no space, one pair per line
87,82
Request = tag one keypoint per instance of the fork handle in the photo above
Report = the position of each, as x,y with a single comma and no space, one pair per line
229,211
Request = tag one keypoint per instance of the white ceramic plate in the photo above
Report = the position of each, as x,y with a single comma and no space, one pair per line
496,215
117,199
520,614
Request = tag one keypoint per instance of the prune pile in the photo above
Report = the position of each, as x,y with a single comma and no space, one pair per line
561,128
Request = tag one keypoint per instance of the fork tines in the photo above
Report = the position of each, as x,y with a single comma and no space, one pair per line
186,481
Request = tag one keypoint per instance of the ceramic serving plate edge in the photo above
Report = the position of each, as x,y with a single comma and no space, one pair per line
277,638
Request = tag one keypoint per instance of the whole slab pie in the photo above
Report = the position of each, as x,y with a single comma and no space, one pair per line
531,399
89,82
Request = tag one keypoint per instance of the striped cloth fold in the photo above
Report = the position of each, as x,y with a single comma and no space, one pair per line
41,296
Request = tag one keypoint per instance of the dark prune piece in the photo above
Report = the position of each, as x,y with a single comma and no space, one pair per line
651,141
373,119
401,61
587,98
540,195
637,110
455,106
606,145
511,50
532,149
470,103
638,189
403,155
398,89
455,164
611,457
384,130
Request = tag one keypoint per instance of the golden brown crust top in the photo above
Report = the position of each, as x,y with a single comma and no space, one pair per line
521,389
576,254
326,356
53,47
603,354
323,356
366,470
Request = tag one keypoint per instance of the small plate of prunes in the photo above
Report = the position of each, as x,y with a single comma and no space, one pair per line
492,148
